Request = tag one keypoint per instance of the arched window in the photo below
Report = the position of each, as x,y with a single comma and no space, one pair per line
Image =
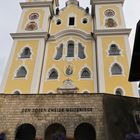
114,50
86,92
59,52
16,92
81,53
85,73
110,22
26,53
116,69
21,73
119,92
53,74
70,49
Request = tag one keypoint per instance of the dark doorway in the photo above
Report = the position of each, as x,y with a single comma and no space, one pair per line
85,131
55,132
25,132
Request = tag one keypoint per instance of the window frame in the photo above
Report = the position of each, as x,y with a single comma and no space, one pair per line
73,49
49,73
56,52
85,78
71,19
117,74
21,77
114,53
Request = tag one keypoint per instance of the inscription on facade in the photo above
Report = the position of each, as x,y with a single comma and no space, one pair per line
55,110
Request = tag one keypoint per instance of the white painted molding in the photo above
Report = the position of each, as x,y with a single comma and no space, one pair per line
29,35
35,4
70,32
38,4
93,2
112,32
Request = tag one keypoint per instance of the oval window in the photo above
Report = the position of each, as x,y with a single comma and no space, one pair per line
58,22
85,20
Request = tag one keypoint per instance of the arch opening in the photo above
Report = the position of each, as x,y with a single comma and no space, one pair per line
25,132
55,132
85,131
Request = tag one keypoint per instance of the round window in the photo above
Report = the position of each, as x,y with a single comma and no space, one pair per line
85,20
58,22
109,13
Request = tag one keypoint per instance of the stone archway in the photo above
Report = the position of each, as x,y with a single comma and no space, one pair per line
25,132
55,131
85,131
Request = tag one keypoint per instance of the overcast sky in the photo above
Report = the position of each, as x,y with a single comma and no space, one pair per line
10,12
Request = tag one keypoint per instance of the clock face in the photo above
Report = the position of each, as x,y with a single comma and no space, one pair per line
109,13
33,16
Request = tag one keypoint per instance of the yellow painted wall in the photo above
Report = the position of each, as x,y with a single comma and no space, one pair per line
77,64
112,82
64,17
24,85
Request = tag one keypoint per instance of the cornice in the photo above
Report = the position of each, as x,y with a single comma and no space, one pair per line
112,32
94,2
29,35
37,4
70,32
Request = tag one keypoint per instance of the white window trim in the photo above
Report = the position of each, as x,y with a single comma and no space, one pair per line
70,58
48,74
119,87
51,91
22,78
22,49
75,21
57,20
79,75
85,51
83,19
123,74
85,90
13,92
55,53
121,50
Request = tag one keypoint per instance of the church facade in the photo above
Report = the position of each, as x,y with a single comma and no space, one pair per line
64,68
56,49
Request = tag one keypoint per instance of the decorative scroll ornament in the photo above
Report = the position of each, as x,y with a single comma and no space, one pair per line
68,87
69,70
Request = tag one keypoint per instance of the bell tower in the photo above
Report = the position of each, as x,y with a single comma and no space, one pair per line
24,67
113,50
